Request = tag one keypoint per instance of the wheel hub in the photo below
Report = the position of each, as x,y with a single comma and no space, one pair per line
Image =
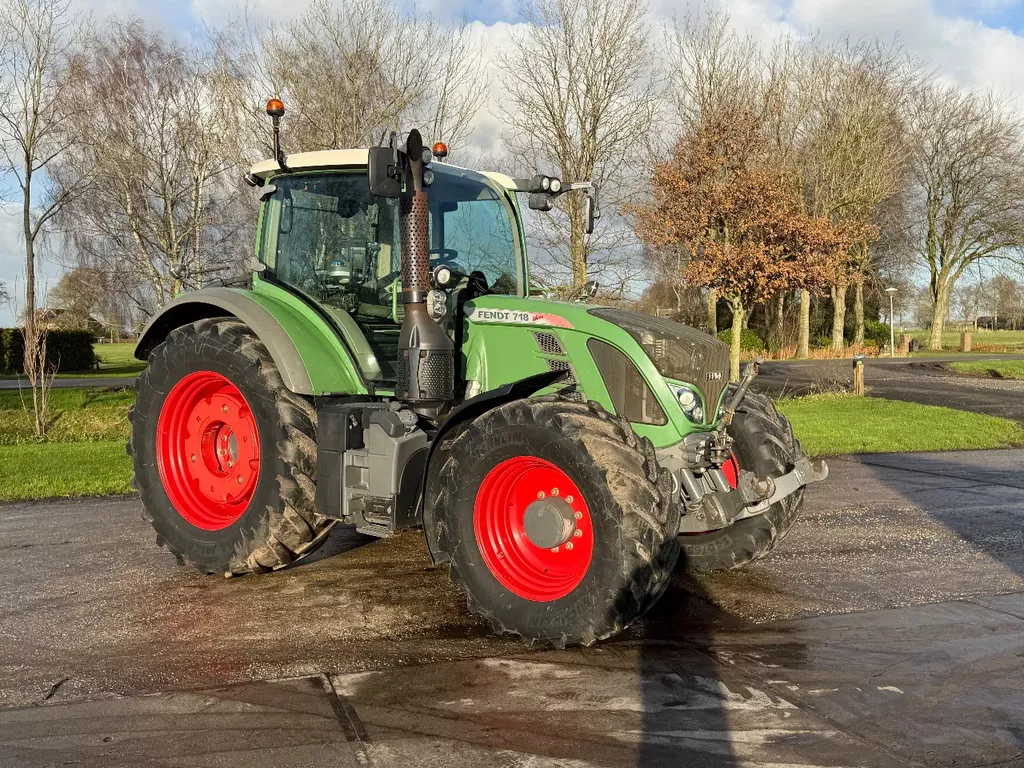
549,522
208,450
533,528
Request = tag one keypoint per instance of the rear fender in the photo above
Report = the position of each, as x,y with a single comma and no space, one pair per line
297,348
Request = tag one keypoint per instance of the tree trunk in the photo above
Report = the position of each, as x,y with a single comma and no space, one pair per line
737,338
940,306
713,311
838,315
858,313
778,332
803,347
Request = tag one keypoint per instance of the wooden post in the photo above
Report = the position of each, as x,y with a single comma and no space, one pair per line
858,375
965,341
905,345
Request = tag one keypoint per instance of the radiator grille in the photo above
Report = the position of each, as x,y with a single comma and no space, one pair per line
626,386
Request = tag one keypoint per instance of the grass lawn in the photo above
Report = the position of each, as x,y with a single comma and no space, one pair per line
54,470
84,453
1009,341
836,424
117,360
77,415
996,369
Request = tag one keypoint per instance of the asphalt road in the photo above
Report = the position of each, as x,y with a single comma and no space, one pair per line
74,383
887,630
917,380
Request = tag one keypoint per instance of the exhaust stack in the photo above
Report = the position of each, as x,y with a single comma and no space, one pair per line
426,355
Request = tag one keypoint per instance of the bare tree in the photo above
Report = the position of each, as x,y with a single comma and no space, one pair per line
158,209
968,197
580,101
38,114
349,71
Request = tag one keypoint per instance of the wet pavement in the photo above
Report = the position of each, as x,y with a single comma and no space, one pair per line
887,630
923,380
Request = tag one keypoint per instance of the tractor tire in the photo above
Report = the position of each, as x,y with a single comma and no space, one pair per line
235,495
764,444
582,478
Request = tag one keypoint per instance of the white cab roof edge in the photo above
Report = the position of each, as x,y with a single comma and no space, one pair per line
336,158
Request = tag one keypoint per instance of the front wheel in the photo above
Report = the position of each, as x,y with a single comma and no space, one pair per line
556,520
763,444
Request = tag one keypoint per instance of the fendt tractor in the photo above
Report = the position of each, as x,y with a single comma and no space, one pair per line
390,368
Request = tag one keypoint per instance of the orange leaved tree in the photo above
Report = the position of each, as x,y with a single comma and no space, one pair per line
734,216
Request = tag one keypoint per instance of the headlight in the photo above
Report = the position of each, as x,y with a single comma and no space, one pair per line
690,404
686,398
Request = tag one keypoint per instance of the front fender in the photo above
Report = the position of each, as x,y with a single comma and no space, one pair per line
308,355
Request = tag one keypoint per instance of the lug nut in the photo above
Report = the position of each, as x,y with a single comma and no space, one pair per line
554,491
193,457
577,534
224,408
578,515
240,480
569,498
554,549
540,494
568,545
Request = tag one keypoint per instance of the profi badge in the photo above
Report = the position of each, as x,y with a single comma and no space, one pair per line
514,317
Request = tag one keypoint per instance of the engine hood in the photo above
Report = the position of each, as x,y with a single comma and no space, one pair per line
677,351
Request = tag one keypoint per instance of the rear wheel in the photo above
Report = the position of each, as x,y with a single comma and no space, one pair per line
556,520
764,444
224,455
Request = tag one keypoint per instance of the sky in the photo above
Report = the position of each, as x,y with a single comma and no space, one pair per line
973,43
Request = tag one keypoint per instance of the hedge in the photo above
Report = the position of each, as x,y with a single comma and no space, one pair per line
749,341
65,351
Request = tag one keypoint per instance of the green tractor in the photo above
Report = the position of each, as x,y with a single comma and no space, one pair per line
390,369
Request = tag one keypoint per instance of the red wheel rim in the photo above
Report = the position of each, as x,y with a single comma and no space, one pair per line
731,470
525,569
208,450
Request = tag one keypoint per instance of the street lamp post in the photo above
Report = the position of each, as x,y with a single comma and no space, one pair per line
892,326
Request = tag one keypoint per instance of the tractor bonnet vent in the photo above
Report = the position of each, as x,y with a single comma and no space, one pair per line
549,343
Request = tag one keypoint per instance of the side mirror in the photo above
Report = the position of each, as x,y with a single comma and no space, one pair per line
590,212
591,288
385,172
541,201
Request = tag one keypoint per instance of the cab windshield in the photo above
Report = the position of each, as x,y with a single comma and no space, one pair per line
326,237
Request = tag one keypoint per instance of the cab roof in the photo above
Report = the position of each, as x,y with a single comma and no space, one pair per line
340,158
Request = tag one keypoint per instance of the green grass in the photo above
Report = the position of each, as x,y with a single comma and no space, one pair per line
996,369
115,360
839,424
55,470
76,415
1013,341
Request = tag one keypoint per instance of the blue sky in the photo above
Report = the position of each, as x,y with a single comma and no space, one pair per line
975,43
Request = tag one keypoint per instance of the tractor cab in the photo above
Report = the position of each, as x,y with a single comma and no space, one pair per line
326,238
